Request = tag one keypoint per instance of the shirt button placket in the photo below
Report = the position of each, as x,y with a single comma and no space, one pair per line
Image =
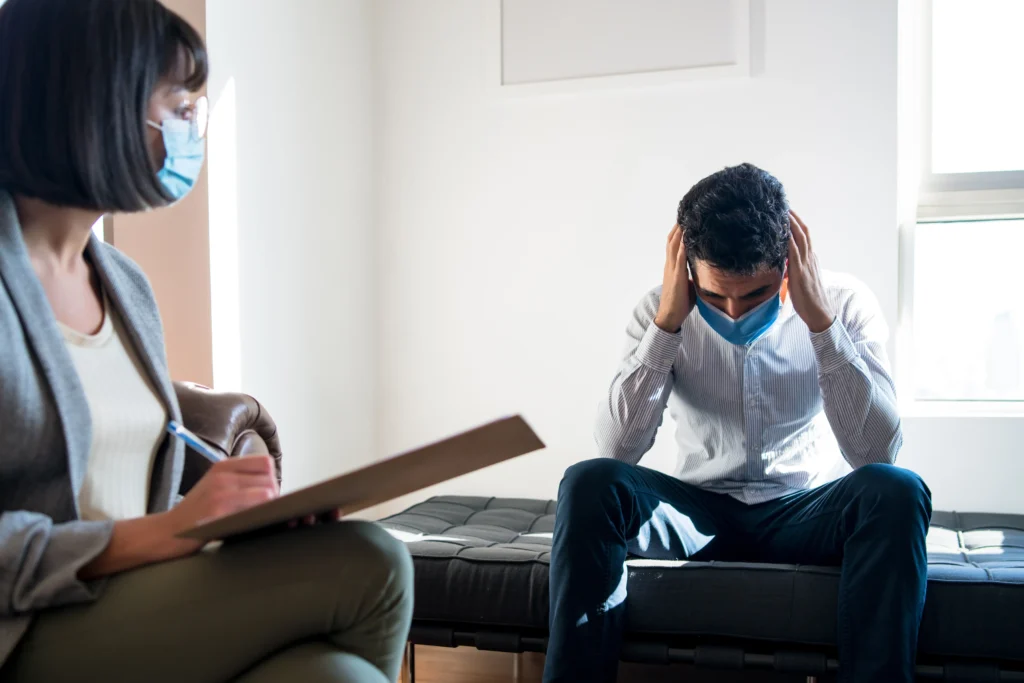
755,428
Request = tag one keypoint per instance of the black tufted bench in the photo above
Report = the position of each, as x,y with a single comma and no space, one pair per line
482,581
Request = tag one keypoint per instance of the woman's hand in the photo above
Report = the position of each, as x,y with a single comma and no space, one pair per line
230,486
313,520
219,492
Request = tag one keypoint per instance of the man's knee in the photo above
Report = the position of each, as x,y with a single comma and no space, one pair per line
593,487
589,477
895,489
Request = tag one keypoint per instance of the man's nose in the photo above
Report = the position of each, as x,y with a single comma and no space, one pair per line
734,308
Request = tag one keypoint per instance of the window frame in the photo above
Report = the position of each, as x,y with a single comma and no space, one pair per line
949,195
940,198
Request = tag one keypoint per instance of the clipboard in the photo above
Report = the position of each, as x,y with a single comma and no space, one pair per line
385,480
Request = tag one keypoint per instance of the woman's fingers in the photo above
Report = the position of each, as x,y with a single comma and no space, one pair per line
249,464
240,501
253,471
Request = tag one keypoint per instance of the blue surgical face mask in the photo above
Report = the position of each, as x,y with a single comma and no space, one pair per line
185,154
746,329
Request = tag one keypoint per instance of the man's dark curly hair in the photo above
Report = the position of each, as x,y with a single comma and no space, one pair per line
737,220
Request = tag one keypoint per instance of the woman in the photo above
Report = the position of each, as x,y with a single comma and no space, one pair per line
97,117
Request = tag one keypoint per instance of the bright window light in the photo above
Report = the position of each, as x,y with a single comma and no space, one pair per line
977,92
968,314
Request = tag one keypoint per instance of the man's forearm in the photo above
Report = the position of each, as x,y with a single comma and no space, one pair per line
631,414
858,397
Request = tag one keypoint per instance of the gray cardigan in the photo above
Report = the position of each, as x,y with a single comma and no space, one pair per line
45,432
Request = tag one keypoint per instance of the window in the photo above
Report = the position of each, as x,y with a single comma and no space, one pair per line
963,283
969,311
977,102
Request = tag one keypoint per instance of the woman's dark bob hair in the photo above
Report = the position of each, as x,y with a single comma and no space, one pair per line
76,78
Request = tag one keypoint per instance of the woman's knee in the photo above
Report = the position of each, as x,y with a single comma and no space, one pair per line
380,555
314,662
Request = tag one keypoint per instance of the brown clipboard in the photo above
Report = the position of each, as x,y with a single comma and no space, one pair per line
385,480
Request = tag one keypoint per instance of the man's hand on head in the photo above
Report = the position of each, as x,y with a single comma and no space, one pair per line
677,292
805,286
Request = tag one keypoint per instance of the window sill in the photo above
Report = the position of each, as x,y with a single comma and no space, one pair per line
955,409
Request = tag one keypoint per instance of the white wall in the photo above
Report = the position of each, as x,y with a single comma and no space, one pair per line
399,250
291,222
516,233
970,463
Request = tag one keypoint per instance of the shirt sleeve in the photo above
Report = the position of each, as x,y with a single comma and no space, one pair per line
629,417
857,389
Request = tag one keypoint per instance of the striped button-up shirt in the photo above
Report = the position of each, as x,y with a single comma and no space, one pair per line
789,412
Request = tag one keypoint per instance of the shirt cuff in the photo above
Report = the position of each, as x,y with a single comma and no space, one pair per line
833,348
658,348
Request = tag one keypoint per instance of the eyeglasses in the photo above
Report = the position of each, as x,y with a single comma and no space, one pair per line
196,114
200,117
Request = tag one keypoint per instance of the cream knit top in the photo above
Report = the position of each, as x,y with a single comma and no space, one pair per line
128,422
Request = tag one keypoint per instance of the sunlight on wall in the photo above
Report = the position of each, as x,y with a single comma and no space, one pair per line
224,288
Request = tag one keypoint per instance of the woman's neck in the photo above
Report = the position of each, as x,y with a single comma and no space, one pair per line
55,236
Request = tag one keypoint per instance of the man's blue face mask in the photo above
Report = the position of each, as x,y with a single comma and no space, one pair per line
746,329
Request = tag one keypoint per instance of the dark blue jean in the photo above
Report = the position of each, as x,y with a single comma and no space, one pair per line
872,523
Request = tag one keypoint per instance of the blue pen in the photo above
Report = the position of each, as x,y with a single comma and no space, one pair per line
197,444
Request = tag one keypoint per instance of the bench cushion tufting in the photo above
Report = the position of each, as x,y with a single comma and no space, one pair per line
484,561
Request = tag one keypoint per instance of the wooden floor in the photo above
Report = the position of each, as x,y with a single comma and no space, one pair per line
468,665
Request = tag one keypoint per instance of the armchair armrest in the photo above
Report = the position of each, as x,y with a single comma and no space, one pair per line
235,424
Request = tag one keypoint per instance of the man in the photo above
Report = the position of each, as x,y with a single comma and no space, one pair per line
776,376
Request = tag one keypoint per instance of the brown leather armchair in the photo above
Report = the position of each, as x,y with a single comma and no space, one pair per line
234,424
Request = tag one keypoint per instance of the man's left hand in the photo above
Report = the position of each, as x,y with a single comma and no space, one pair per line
805,285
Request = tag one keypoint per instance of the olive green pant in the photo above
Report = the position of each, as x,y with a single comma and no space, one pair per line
329,603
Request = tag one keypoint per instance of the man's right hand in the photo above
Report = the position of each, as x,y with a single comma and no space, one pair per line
677,292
